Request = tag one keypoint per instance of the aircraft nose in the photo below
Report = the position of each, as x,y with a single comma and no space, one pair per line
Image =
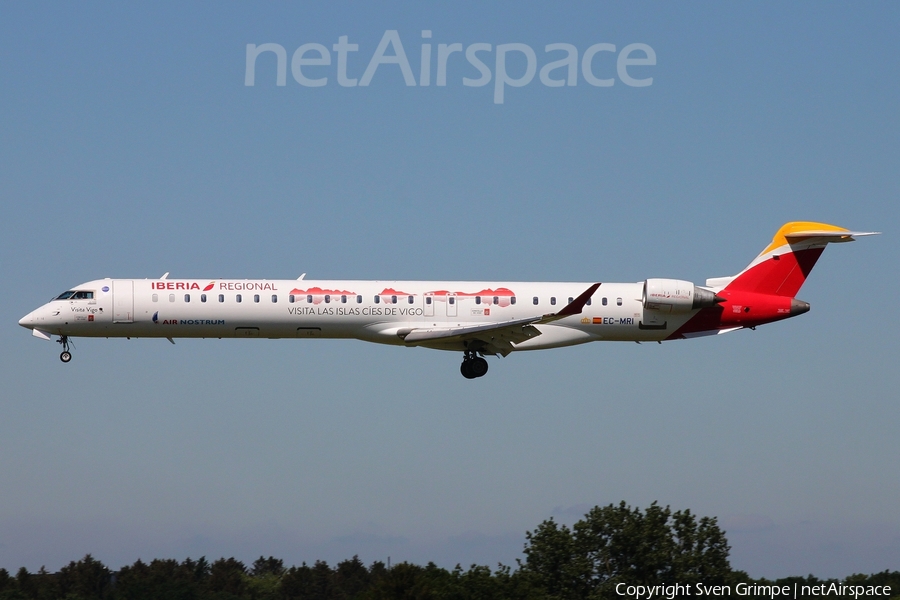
30,321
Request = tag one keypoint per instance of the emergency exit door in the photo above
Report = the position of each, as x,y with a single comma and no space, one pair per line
451,305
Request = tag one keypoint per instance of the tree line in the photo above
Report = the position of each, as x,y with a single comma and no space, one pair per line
611,546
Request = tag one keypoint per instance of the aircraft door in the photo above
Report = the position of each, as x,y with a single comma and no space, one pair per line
428,299
451,305
123,300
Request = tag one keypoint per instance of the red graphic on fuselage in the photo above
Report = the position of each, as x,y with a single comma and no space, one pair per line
500,296
392,296
318,295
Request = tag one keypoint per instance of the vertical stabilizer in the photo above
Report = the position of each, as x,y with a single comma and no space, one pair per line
782,268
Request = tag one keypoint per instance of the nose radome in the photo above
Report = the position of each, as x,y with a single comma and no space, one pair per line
27,321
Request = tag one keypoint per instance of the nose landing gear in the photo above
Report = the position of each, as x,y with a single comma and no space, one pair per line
473,366
65,355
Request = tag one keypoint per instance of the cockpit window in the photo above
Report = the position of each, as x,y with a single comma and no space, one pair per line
75,295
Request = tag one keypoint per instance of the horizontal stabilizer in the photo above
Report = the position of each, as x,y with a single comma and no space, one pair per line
834,236
719,282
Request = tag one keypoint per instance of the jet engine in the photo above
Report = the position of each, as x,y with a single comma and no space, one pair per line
676,296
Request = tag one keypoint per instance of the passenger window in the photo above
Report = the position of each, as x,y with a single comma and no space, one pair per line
534,300
512,300
451,300
156,297
171,297
377,299
477,299
588,302
274,298
570,300
221,297
256,297
291,298
410,299
237,298
618,302
309,299
327,298
359,299
343,299
496,300
393,299
552,300
603,302
202,297
187,297
427,299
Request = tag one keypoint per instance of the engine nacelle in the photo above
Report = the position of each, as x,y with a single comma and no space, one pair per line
676,296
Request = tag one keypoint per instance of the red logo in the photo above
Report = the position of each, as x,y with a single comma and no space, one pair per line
175,285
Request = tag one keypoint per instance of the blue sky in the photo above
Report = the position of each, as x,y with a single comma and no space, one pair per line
132,147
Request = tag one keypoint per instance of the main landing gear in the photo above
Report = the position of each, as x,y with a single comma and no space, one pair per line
473,366
65,355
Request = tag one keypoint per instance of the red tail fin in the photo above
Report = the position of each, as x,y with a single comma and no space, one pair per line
782,268
779,274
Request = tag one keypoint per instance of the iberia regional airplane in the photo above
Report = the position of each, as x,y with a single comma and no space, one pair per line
475,318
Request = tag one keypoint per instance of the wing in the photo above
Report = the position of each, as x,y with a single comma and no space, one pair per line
496,338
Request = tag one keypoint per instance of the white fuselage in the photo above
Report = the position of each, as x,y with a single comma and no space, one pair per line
475,317
374,311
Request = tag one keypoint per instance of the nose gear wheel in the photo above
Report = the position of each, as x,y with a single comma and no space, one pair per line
65,355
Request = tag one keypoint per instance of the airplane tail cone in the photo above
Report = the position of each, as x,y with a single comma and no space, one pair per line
798,307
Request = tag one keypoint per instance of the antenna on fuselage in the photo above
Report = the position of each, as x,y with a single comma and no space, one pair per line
166,274
301,277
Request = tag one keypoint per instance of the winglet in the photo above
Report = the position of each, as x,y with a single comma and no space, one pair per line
573,308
